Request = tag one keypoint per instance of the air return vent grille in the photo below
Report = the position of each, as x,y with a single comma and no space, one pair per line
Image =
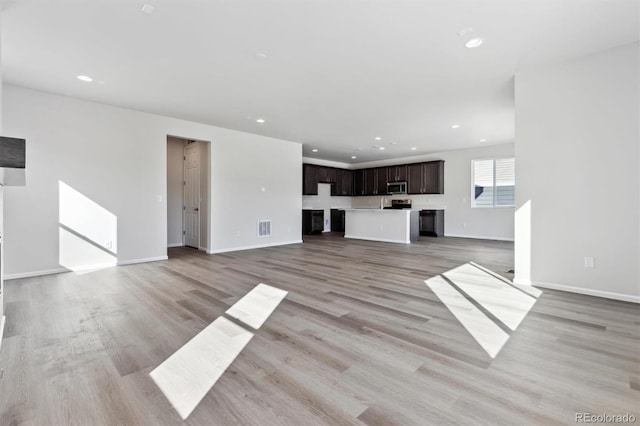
264,228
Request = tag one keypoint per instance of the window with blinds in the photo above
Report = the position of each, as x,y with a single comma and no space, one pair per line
493,183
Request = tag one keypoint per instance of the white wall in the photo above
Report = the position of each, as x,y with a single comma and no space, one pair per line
577,162
117,158
461,220
175,187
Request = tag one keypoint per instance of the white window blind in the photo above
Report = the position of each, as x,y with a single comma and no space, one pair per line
493,182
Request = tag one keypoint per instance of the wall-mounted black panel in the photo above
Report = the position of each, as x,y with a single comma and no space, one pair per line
12,152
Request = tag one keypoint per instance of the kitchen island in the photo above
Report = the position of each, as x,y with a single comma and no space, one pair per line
388,225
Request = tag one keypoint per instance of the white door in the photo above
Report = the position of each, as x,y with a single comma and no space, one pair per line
192,195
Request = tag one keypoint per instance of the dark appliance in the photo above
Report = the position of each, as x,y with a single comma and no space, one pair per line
432,223
312,222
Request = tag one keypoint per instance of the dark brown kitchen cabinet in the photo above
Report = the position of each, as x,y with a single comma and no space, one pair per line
374,181
309,179
382,178
397,173
421,178
358,182
425,178
370,184
434,177
337,220
327,174
344,183
414,179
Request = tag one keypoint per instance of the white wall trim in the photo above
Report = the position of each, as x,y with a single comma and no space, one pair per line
35,273
225,250
202,249
3,320
587,291
145,260
476,237
175,245
382,240
63,270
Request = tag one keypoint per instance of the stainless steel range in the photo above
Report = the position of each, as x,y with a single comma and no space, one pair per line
400,204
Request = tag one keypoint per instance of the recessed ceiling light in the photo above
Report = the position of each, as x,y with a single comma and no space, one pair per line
85,78
455,126
260,120
353,157
474,42
314,150
261,56
378,138
483,140
148,9
381,148
413,148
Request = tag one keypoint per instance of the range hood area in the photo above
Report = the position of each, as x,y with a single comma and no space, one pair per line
12,161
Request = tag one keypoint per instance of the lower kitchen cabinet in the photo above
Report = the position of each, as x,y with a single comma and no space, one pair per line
337,220
312,222
432,223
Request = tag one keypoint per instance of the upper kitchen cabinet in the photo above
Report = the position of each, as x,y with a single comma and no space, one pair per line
327,174
397,173
344,183
309,179
425,178
370,184
358,182
382,178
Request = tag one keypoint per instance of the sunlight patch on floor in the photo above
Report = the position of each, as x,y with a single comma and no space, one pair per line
484,303
187,375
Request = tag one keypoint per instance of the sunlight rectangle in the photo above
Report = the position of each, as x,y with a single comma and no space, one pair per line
489,335
79,255
187,375
506,303
255,307
87,218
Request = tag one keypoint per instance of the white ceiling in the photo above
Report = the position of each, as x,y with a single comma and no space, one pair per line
338,73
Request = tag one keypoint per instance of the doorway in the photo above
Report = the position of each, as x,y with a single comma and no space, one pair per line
187,193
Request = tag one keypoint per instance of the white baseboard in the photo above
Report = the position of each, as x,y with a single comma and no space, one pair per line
585,291
35,273
83,268
3,320
383,240
175,245
148,259
476,237
226,250
204,249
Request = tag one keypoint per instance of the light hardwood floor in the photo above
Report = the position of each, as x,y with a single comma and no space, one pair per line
359,339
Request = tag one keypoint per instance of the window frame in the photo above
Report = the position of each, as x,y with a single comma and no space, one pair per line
495,193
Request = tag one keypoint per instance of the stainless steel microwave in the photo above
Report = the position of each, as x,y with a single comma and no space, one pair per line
397,187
